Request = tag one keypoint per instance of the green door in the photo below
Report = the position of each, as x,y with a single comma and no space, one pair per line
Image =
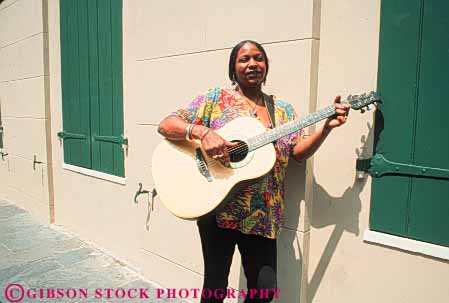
411,124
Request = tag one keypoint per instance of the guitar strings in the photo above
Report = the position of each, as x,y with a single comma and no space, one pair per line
243,147
239,149
323,113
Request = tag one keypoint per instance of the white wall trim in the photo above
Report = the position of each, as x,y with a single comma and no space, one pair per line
424,248
94,173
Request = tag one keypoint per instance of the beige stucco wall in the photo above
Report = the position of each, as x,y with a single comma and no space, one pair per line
342,267
24,107
173,51
182,50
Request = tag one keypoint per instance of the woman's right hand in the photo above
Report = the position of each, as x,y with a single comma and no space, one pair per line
214,145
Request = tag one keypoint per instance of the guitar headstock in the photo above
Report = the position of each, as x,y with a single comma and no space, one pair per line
360,102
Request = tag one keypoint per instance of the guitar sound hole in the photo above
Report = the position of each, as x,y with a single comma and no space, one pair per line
239,152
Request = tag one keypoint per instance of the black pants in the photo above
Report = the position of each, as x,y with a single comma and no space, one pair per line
258,260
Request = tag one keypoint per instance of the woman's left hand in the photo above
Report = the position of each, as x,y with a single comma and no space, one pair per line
341,114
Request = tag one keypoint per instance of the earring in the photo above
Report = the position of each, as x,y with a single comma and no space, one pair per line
234,81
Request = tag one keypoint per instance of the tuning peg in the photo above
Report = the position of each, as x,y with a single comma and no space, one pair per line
368,108
362,110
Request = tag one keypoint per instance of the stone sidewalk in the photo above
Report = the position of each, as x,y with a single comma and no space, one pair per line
38,256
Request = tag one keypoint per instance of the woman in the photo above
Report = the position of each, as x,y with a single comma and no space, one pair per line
252,218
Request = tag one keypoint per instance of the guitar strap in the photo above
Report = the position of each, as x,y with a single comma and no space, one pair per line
269,102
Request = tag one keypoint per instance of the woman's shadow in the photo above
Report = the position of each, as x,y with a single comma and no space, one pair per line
326,210
340,212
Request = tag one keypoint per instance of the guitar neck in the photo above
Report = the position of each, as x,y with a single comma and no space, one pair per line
288,128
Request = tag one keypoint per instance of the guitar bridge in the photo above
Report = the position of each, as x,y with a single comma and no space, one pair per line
202,166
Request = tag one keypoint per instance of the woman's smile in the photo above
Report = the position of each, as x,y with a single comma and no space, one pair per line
250,66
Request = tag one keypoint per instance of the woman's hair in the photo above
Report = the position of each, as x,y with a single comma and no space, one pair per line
233,57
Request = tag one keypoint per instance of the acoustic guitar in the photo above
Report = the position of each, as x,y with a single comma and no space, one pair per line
191,184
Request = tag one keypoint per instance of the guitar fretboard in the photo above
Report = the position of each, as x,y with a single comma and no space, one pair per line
288,128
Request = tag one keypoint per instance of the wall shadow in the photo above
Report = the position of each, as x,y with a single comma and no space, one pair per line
340,212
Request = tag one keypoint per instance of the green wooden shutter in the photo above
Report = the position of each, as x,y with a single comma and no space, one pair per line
411,123
75,83
117,87
107,106
91,50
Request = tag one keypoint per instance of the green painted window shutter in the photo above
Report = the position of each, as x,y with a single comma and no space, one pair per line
411,124
91,67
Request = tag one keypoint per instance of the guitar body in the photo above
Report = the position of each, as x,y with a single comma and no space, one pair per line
191,184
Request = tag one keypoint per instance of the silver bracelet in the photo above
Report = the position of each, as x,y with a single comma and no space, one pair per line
187,132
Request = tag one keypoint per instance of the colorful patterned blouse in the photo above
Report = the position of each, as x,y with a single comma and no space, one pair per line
258,208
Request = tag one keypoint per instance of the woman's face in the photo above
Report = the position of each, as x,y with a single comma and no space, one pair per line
250,67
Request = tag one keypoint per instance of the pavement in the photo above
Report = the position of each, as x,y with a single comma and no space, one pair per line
44,263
